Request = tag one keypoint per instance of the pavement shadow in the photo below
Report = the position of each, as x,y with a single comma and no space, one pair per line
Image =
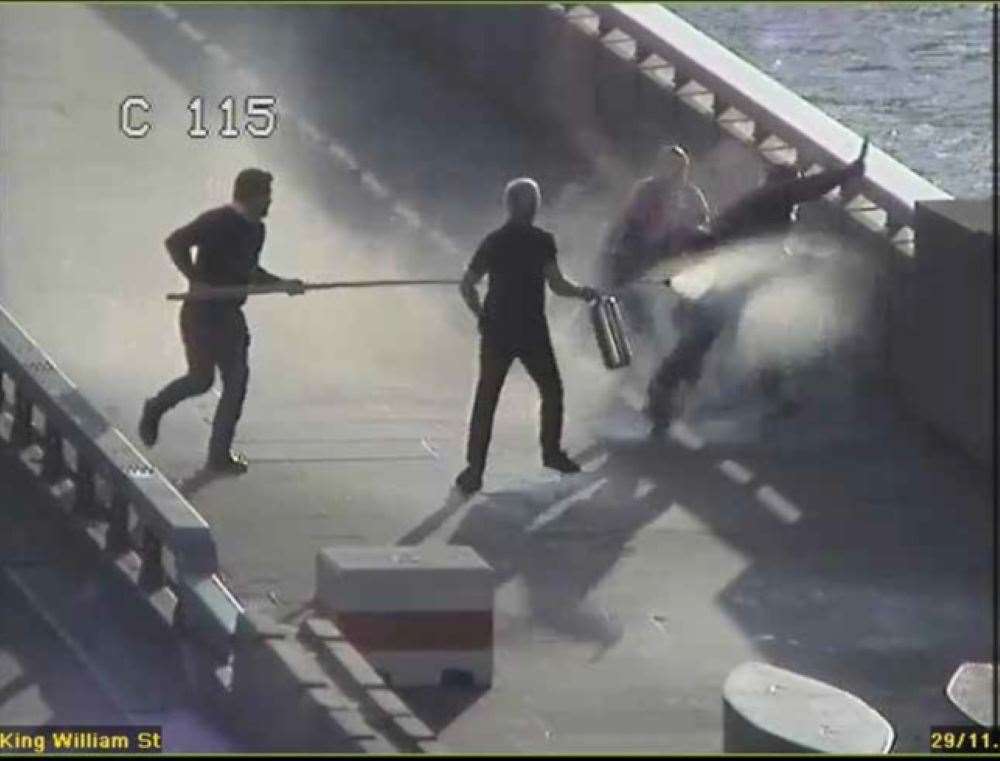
48,676
882,585
197,481
452,504
438,707
868,562
561,539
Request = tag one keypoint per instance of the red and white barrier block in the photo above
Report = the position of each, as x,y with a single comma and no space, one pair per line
420,615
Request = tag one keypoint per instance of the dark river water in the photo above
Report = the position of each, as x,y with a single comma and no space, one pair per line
917,78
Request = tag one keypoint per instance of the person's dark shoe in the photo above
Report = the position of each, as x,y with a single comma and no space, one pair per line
658,429
232,464
149,424
660,418
560,461
665,405
469,481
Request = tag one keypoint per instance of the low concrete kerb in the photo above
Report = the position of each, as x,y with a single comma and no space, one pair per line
970,690
771,710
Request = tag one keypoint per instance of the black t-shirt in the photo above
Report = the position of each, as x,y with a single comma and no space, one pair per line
229,248
770,209
514,256
765,211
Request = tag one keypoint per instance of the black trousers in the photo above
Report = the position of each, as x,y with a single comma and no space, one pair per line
496,355
214,336
699,326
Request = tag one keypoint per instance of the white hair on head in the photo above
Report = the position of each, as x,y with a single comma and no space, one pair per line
520,192
673,153
673,161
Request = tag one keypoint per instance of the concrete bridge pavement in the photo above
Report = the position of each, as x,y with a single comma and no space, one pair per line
842,545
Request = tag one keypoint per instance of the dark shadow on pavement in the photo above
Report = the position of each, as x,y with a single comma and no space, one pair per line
198,481
452,504
64,688
882,587
438,707
561,541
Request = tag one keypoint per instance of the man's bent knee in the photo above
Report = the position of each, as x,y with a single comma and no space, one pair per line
552,393
201,382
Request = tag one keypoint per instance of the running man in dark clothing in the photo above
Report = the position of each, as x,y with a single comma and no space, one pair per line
519,259
770,210
229,240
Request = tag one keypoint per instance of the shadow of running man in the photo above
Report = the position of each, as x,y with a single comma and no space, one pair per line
198,480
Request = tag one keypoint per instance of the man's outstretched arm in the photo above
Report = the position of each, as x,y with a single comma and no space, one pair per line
261,276
561,286
818,185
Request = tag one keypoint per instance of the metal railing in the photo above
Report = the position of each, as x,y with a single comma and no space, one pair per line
755,109
108,489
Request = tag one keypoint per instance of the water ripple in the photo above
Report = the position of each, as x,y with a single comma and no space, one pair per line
915,77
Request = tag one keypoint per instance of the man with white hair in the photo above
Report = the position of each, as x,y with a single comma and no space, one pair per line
519,259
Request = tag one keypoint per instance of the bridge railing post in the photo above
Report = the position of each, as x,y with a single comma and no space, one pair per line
117,539
78,450
85,497
21,431
152,576
53,458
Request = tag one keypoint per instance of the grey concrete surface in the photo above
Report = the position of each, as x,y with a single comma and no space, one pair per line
841,545
72,650
774,710
41,680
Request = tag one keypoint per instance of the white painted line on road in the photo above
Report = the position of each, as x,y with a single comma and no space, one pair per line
736,472
444,241
644,488
411,216
376,188
778,505
219,53
165,10
343,156
310,130
597,462
684,436
565,504
191,31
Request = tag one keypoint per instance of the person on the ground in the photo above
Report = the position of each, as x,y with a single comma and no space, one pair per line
214,332
519,259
